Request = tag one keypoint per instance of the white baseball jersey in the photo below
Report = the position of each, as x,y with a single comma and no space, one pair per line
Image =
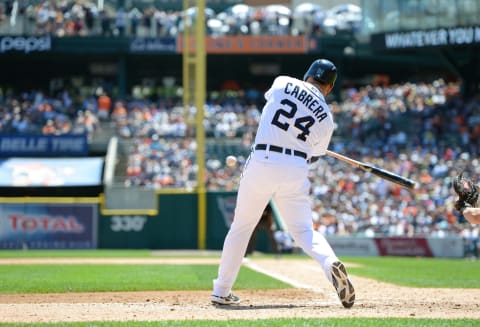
295,116
295,125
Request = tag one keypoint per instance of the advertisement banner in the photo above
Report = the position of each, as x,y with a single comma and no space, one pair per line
403,246
252,44
25,44
440,247
43,145
47,172
440,37
153,45
354,246
450,247
48,226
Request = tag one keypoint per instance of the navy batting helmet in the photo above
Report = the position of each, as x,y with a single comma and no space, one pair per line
322,70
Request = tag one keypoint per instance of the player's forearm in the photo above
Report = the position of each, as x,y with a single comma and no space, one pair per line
472,215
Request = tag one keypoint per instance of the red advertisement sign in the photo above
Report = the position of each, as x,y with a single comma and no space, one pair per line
251,44
48,226
403,246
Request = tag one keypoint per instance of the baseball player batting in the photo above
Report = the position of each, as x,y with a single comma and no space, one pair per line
295,127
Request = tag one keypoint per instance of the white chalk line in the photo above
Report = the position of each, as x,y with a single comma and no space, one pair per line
280,277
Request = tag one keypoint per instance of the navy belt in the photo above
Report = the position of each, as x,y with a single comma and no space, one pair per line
279,149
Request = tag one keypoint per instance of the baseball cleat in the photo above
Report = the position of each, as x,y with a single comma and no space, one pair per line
342,284
225,300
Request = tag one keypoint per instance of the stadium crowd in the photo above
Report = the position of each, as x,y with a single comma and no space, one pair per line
34,112
86,18
424,131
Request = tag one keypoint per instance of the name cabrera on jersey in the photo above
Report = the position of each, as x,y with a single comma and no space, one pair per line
295,116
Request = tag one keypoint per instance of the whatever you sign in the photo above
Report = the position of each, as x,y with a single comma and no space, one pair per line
454,36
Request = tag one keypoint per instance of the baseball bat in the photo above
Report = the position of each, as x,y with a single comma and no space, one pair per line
382,173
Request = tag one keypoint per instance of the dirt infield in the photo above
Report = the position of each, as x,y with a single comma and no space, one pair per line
312,296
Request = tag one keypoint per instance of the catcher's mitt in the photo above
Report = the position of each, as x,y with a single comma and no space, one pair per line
467,192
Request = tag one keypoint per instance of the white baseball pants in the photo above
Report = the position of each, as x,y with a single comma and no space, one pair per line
284,179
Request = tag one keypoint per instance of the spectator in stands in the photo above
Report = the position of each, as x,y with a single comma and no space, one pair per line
91,15
106,22
49,128
135,17
121,17
104,104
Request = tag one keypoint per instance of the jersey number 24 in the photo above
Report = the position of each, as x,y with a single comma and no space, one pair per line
302,123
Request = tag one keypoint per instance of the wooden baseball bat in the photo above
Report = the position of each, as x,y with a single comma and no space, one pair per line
382,173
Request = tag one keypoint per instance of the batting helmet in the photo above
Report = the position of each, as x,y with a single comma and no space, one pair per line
322,70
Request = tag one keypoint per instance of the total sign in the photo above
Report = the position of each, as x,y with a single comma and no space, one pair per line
128,223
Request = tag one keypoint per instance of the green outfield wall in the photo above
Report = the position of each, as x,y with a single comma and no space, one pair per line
174,226
83,223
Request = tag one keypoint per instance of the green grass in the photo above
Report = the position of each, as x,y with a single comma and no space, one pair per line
406,271
418,272
102,278
411,271
76,254
294,322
